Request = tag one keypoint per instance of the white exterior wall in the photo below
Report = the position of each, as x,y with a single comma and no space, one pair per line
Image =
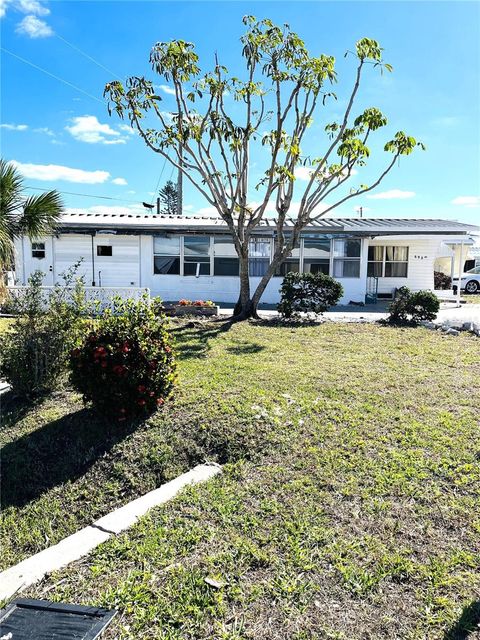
131,264
121,269
421,258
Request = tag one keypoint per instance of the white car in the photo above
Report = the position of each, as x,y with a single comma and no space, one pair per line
470,282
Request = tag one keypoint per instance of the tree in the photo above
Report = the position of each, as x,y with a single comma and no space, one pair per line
32,216
284,85
169,198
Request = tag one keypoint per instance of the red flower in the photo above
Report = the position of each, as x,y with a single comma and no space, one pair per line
100,350
160,401
119,369
168,349
141,388
141,401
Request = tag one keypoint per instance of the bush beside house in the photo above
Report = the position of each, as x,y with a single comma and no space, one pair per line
413,307
308,293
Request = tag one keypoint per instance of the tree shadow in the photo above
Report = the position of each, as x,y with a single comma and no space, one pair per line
468,623
193,337
58,452
245,349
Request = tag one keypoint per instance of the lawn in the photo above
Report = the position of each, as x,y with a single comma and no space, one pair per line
349,505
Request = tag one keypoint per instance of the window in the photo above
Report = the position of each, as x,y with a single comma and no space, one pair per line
316,255
388,262
225,258
166,255
375,261
104,250
259,251
346,258
292,263
38,250
196,256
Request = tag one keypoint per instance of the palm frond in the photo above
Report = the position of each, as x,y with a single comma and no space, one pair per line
11,190
40,214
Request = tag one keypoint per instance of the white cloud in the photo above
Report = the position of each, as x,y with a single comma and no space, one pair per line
120,181
46,131
53,172
166,89
127,129
467,201
34,28
3,7
14,127
89,129
131,191
393,194
32,6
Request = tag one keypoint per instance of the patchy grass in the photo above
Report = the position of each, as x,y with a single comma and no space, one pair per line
472,299
349,509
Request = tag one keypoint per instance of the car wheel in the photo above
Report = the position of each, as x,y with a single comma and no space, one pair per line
472,286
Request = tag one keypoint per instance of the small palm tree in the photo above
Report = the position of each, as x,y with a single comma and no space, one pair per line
31,216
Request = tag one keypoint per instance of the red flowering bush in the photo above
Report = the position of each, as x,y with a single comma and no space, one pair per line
184,302
125,365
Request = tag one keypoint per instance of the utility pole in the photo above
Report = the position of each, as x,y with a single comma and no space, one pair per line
158,206
360,211
180,182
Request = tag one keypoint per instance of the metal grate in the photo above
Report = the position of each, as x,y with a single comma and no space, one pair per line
43,620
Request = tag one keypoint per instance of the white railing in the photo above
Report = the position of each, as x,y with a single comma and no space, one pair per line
102,296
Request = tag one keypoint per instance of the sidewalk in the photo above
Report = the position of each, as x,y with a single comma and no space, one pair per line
448,314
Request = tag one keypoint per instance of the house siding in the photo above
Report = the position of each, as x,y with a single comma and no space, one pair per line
131,265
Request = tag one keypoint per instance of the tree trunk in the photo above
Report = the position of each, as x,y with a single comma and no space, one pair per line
262,285
247,307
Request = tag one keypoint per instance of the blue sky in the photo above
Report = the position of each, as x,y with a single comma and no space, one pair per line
63,138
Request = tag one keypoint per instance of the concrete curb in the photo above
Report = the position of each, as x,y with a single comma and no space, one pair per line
25,573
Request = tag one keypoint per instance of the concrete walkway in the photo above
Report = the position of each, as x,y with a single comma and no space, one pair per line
449,313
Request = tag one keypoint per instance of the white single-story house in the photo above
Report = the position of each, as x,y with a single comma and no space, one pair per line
194,257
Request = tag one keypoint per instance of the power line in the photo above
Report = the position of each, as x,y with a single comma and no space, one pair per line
99,64
85,195
155,193
35,66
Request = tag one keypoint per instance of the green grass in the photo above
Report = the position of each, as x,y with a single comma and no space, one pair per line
349,509
472,299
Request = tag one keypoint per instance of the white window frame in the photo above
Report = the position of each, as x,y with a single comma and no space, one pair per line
384,259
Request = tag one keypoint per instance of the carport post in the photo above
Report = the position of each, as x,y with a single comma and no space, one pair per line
460,271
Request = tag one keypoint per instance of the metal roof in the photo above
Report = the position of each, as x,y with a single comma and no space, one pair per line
355,226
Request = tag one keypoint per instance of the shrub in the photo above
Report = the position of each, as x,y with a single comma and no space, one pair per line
308,292
125,365
34,351
413,308
441,281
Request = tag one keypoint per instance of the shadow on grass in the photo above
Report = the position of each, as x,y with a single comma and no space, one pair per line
58,452
467,624
193,337
245,349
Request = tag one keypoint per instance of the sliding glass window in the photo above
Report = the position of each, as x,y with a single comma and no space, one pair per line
196,255
316,255
346,258
260,253
225,257
166,255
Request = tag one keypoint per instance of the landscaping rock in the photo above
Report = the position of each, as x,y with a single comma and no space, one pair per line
452,332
